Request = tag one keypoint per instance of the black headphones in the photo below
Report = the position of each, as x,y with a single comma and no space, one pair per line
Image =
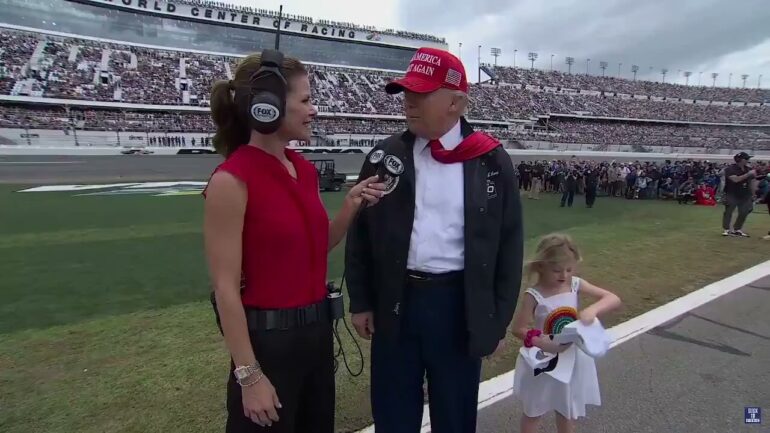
265,104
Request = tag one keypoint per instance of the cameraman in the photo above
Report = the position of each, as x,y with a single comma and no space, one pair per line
738,194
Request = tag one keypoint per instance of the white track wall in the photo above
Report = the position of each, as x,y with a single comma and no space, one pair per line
80,138
58,142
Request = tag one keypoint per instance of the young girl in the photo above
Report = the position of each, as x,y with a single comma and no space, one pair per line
553,303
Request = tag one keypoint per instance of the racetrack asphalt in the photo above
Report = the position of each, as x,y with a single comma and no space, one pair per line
46,169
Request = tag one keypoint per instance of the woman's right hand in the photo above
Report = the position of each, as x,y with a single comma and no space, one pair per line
260,402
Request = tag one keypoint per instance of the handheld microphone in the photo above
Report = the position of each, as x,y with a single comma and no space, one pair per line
386,165
375,158
393,165
387,168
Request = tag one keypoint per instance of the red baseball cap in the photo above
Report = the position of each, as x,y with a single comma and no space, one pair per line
429,70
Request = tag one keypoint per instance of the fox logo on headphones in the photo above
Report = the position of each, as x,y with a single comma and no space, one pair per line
267,97
264,113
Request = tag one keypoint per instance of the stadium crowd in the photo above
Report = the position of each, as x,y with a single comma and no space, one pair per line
558,79
515,102
555,129
33,64
657,134
700,182
55,67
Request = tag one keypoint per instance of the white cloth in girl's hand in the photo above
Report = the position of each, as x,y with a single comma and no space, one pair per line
592,339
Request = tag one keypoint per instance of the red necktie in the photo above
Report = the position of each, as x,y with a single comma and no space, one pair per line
439,153
471,147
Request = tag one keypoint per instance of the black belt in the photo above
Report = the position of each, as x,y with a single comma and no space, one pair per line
288,318
418,278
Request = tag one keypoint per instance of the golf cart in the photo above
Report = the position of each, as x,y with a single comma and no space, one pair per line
328,178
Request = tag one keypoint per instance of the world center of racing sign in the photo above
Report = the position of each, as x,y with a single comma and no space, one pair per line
216,15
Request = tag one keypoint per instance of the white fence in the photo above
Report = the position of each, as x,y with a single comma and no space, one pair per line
61,142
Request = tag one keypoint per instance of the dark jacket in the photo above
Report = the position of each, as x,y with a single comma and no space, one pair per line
378,245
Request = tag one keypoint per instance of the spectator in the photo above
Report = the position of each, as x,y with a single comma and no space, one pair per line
738,195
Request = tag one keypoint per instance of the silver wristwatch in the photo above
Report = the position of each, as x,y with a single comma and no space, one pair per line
244,371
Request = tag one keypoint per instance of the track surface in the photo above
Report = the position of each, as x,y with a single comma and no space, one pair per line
695,373
130,168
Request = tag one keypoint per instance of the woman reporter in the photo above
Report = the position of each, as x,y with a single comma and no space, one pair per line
267,236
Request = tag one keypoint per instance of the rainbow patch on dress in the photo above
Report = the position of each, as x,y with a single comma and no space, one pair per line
558,319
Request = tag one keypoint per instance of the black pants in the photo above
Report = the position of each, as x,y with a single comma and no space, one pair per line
744,206
590,195
300,365
434,343
526,183
567,197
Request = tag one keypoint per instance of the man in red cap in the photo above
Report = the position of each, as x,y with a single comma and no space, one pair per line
434,269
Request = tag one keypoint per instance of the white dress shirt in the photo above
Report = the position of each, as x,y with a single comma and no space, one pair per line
437,244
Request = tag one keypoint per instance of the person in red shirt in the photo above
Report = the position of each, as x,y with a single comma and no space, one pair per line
704,195
267,236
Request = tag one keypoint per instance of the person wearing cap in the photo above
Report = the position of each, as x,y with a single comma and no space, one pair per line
738,195
434,269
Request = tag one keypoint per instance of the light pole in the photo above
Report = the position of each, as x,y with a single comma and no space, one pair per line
495,53
532,57
634,69
619,65
514,58
687,78
479,63
729,80
569,61
714,76
663,72
603,66
744,76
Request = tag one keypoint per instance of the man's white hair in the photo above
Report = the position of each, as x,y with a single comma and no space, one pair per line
464,100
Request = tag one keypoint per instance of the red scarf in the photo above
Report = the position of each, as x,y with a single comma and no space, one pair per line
472,146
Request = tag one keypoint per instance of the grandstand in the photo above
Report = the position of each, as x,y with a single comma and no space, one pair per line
96,73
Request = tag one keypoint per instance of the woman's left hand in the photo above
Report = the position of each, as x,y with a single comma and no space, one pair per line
369,190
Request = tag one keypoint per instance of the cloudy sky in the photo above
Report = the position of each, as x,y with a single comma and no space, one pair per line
680,35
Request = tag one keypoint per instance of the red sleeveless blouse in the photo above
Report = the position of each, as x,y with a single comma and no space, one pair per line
285,230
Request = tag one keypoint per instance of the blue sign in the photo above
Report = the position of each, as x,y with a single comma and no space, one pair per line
752,415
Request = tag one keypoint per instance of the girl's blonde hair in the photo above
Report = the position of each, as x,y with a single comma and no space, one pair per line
553,249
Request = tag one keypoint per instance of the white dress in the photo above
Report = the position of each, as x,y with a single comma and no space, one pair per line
543,393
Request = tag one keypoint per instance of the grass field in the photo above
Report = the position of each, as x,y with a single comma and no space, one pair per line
105,324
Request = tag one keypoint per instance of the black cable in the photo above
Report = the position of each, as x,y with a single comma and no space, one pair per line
380,172
340,349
